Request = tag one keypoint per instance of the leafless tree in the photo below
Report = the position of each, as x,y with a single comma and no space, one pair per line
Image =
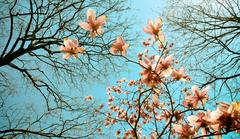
40,94
208,38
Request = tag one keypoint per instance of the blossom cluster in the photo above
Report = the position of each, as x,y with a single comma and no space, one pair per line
148,107
94,25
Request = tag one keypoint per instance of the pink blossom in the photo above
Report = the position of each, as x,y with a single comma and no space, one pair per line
71,48
147,63
191,101
152,136
118,132
179,74
201,120
166,115
178,115
225,117
200,96
99,131
146,43
155,100
184,131
93,24
155,29
188,102
119,46
149,77
89,98
234,110
164,65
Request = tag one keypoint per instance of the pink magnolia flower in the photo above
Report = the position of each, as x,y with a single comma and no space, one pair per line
147,63
118,132
149,76
147,69
89,98
119,46
99,131
226,116
152,136
184,131
178,116
164,65
200,96
155,100
189,103
71,48
146,43
93,24
155,29
201,120
179,74
234,109
166,115
151,80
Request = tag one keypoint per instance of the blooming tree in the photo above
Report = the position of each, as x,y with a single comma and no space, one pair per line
154,105
162,102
